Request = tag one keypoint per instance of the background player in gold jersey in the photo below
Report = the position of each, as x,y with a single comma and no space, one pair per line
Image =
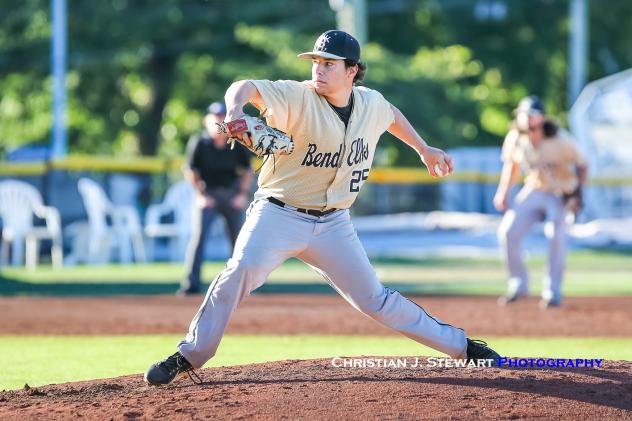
555,174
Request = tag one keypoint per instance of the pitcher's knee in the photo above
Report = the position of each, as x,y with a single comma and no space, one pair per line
245,264
249,271
376,305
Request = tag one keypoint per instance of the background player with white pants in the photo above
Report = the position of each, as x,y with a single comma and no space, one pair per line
301,207
555,175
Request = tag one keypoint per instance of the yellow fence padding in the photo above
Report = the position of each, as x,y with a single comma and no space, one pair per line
150,165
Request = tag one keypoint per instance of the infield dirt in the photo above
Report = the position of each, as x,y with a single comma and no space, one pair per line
309,314
315,389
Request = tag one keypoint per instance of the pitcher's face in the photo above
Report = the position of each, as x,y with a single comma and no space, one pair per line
330,76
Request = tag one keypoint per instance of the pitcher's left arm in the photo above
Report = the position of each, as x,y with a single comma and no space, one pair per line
404,131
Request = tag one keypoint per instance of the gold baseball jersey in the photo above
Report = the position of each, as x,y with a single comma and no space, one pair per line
330,162
550,167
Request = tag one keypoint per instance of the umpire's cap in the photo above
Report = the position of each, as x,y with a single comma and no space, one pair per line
531,105
216,108
337,45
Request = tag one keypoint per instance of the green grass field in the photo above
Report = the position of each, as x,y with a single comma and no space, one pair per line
589,273
40,360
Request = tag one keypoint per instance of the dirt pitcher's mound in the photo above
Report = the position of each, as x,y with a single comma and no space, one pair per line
317,389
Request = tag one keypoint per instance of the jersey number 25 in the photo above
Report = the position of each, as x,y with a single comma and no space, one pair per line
357,177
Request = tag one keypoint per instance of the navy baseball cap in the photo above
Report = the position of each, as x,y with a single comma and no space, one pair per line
216,108
531,105
337,45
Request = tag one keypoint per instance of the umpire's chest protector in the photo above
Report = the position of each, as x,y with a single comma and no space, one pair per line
329,163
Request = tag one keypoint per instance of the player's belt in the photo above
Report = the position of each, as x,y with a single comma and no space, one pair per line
312,212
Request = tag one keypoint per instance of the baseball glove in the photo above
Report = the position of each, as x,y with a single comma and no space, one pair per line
574,201
265,140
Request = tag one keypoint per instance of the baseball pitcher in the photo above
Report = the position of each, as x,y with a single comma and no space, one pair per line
320,140
556,173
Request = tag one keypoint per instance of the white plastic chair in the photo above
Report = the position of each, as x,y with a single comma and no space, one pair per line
178,201
124,232
19,201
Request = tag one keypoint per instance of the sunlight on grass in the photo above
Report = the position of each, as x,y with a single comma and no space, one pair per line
589,273
40,360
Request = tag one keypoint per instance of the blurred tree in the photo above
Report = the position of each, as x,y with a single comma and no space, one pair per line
141,72
24,87
136,68
161,58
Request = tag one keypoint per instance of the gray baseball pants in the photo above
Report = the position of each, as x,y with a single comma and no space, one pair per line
202,219
271,235
532,206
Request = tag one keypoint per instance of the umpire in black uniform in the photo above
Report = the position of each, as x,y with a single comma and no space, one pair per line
221,177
